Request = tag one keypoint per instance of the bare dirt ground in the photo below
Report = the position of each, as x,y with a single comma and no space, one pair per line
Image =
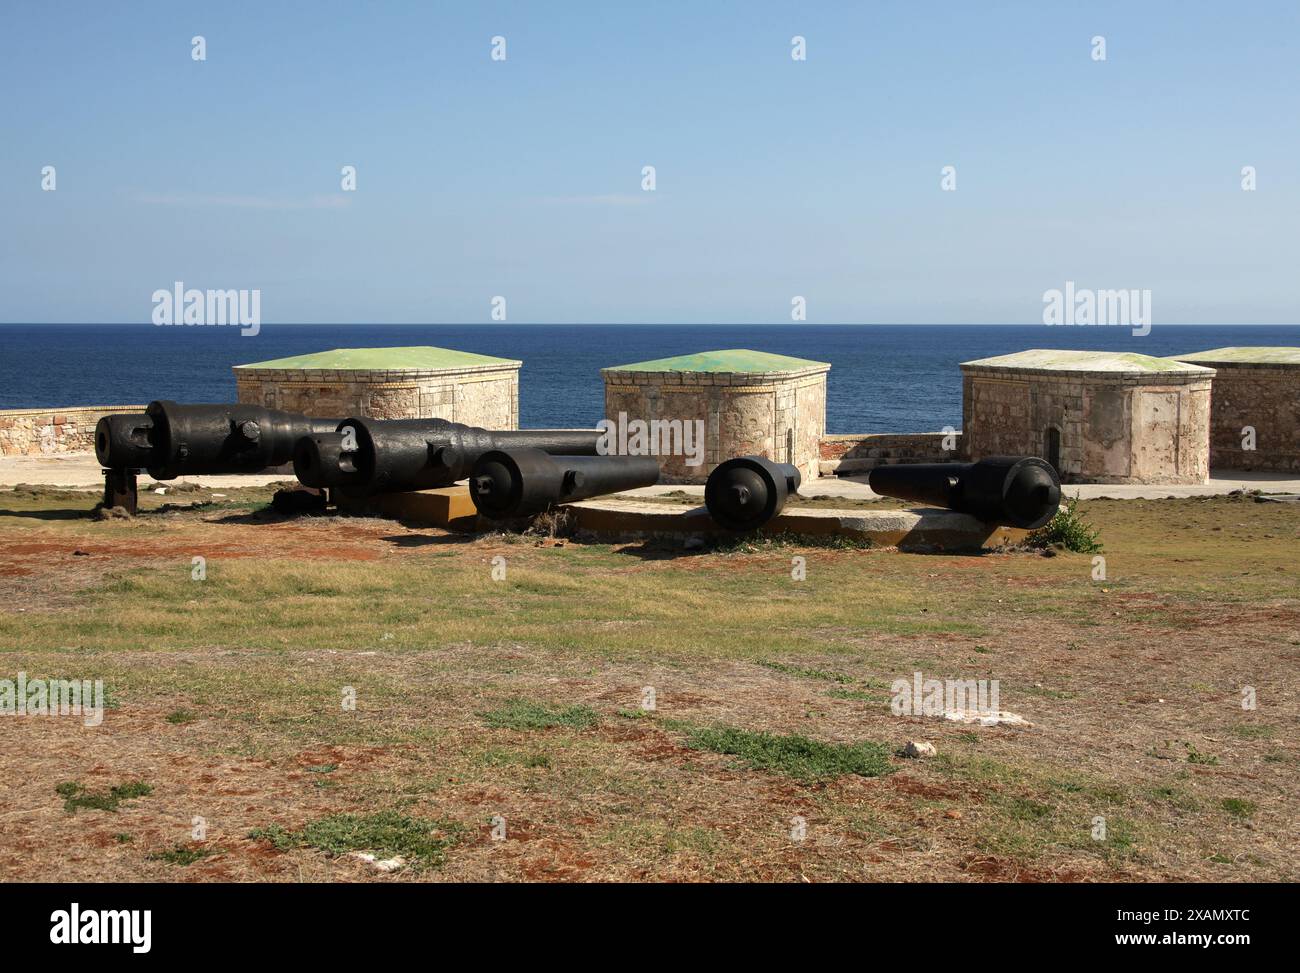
225,700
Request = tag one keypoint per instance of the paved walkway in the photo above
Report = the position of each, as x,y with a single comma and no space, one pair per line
855,487
81,471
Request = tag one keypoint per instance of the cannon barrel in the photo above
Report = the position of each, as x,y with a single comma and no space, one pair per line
367,456
171,440
746,492
1011,491
519,482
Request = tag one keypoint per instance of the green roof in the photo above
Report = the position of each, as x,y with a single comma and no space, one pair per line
1244,356
378,359
1052,360
731,360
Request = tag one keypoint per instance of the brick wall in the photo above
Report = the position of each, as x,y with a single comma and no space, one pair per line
36,432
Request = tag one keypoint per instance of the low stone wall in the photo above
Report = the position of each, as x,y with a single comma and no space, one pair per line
849,455
37,432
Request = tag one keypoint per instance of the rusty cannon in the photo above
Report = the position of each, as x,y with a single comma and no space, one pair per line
508,483
1010,491
170,440
362,457
746,492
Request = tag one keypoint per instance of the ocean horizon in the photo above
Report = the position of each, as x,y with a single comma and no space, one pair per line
884,378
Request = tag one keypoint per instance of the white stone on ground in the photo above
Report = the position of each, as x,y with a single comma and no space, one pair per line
382,864
1000,718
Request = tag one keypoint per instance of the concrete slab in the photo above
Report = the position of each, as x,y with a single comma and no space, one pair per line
81,471
855,487
924,528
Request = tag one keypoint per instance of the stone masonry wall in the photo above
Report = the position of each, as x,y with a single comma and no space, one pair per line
1112,428
487,396
780,417
851,455
38,432
1265,398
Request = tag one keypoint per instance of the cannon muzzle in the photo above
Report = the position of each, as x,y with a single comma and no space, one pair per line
171,440
1011,491
367,456
524,481
746,492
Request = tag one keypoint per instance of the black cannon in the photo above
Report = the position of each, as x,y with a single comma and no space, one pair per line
746,492
1010,491
367,456
509,483
171,440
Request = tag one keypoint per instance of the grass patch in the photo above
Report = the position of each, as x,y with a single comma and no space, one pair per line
806,672
1069,530
793,755
181,716
498,757
1047,693
857,694
1239,806
422,842
1195,756
75,796
180,854
524,714
1024,809
666,840
1175,797
759,542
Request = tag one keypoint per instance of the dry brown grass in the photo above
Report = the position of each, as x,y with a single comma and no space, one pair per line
1124,681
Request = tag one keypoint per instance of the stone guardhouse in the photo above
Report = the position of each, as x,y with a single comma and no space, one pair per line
388,383
1098,417
1255,407
744,402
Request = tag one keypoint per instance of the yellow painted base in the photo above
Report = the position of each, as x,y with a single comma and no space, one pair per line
449,507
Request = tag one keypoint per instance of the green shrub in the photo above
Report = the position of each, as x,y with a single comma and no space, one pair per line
1069,530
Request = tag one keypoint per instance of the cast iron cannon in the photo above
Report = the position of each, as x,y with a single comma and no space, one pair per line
367,456
1010,491
171,440
746,492
509,483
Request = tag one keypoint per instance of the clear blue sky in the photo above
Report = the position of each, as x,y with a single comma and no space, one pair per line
775,178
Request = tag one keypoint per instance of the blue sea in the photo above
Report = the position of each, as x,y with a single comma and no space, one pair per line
885,378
